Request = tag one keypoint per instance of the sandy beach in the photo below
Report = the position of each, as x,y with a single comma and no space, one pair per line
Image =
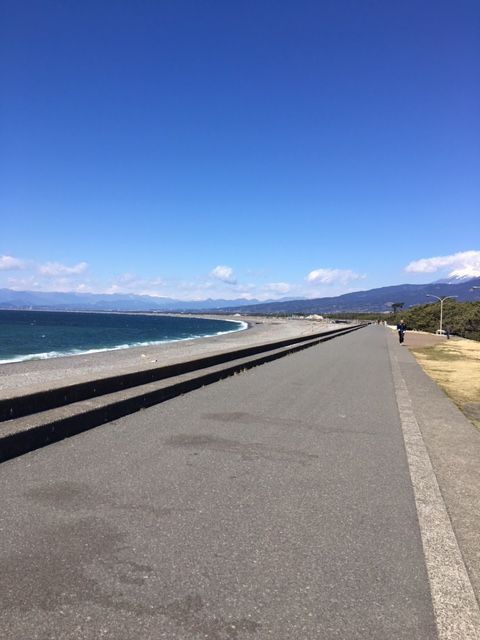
19,378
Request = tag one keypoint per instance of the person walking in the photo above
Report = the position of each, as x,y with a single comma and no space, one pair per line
401,328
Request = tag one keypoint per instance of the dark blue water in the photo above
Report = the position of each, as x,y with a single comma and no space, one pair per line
27,335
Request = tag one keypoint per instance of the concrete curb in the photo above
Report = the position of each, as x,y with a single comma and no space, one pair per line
457,612
18,406
59,421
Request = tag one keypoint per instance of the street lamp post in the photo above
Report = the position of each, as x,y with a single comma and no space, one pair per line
442,300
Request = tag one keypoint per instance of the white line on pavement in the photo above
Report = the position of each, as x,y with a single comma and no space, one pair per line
457,614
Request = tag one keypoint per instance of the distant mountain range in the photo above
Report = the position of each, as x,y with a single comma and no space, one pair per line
359,301
374,300
40,300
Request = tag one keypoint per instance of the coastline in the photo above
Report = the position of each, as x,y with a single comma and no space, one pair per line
18,378
80,352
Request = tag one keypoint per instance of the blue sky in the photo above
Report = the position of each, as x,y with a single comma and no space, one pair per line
260,148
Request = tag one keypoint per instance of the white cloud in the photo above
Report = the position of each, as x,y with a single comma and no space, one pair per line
224,273
115,288
461,265
83,288
133,283
9,263
55,269
23,284
278,287
128,278
333,276
221,282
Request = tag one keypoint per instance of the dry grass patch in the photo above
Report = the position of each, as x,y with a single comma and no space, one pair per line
455,367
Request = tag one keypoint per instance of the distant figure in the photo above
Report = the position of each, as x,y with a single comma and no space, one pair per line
401,328
447,333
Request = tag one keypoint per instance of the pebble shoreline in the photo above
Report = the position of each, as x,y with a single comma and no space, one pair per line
19,378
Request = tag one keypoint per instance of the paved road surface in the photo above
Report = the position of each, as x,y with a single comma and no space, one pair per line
274,504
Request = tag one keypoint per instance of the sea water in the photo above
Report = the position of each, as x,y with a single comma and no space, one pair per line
29,335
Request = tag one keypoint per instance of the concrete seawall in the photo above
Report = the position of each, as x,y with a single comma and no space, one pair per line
20,378
34,420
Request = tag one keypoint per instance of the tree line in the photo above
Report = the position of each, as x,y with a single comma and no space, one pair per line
460,318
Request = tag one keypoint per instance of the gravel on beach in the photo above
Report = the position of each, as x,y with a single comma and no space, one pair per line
19,378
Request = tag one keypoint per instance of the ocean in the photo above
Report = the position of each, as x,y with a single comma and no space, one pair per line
35,335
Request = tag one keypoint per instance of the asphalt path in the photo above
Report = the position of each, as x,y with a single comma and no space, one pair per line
273,504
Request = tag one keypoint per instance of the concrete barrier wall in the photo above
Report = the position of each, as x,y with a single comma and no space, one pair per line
27,404
18,441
